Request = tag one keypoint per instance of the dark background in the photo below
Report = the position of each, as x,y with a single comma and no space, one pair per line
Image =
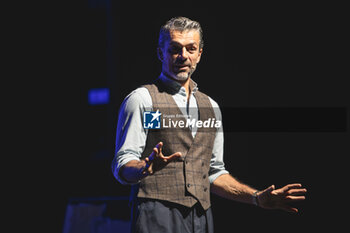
257,60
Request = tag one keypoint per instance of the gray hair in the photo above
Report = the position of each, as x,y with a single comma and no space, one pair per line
179,24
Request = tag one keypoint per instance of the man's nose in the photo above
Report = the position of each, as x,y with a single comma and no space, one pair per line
183,53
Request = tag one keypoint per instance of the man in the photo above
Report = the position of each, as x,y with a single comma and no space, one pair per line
174,168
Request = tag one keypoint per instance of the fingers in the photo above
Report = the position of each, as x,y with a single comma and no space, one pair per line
160,146
150,169
289,199
272,198
157,160
156,151
172,157
294,198
291,186
296,192
270,189
289,209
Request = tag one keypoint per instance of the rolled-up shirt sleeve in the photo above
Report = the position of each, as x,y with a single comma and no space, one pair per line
217,165
130,136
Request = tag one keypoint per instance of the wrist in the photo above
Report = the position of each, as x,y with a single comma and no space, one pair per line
255,198
134,171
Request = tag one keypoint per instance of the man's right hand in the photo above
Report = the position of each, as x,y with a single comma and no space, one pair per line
156,161
135,170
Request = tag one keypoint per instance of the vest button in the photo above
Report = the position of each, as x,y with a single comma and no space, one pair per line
202,164
188,185
205,189
204,176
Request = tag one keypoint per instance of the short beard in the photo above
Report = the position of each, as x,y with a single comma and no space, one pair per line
183,76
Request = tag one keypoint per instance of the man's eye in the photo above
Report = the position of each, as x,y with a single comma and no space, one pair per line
174,49
192,49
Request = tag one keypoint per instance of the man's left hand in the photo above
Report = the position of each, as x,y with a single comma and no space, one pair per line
272,198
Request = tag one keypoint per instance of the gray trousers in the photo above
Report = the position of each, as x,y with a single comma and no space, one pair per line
155,216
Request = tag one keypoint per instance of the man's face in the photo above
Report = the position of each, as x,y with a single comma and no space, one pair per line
181,54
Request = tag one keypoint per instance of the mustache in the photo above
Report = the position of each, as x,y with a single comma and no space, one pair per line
182,64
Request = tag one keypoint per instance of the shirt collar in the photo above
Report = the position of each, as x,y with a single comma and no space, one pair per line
176,87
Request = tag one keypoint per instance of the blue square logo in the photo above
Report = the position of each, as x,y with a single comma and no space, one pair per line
151,120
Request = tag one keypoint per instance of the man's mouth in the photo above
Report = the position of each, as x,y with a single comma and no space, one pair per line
181,67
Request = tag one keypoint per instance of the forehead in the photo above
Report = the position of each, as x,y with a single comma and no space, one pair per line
184,37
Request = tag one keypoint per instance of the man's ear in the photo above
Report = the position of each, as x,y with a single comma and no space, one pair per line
160,54
200,55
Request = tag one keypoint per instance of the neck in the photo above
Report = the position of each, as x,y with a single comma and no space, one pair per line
184,83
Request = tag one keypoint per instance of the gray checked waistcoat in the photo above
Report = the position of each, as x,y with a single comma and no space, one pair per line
184,181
